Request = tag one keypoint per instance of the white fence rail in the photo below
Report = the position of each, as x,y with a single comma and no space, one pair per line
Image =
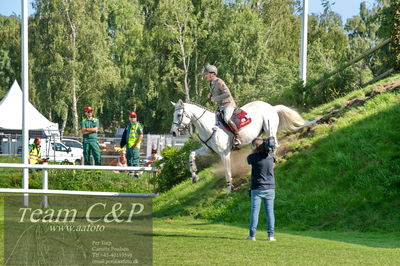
45,184
77,167
75,192
11,143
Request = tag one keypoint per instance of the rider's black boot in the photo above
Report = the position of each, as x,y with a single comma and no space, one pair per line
236,137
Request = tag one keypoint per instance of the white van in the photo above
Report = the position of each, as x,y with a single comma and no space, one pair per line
58,152
74,145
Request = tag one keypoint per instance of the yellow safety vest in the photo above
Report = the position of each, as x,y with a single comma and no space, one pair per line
133,135
34,154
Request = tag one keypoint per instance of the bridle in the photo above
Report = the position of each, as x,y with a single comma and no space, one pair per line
181,127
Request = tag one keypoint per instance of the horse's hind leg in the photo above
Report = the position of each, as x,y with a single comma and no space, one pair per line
192,161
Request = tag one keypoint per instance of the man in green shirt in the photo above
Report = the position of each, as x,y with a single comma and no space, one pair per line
90,127
132,137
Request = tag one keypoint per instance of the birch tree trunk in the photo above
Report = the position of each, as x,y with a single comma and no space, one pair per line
73,82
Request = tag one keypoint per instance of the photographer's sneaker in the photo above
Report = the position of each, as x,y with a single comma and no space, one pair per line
253,238
271,238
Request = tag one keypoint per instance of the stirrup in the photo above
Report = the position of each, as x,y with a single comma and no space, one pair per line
236,144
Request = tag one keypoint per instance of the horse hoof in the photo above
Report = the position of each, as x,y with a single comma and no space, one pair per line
228,190
195,179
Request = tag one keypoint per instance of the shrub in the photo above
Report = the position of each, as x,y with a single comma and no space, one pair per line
175,165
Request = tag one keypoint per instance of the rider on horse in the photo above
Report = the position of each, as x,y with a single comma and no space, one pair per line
221,94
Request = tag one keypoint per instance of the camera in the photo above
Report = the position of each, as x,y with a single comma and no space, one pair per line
266,146
269,144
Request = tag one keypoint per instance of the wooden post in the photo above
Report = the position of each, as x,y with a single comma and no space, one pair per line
147,182
155,181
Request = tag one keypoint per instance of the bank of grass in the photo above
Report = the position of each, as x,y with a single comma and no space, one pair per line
343,175
187,241
346,176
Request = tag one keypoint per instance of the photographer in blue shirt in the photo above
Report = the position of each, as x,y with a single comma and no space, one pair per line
262,184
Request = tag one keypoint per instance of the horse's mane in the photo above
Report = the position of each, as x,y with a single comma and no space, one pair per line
199,105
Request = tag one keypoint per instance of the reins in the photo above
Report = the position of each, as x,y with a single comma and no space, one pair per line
205,142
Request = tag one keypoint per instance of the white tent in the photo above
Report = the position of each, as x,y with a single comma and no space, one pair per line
11,114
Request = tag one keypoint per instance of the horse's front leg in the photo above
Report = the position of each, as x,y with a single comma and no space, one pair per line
226,159
192,161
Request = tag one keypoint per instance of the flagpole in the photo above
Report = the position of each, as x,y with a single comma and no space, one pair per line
303,51
25,97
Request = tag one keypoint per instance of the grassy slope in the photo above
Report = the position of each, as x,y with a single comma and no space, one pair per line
339,176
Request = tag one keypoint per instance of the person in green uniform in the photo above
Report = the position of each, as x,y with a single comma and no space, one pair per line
132,137
90,127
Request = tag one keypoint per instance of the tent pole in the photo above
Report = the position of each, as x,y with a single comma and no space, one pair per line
25,97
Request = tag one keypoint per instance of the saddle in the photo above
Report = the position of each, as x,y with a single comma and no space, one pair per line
239,117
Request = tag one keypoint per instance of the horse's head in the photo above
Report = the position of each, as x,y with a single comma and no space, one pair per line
181,120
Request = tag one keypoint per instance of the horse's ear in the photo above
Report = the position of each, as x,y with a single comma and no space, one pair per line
173,103
180,102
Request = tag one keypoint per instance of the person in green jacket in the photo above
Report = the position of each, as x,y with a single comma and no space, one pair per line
90,127
132,137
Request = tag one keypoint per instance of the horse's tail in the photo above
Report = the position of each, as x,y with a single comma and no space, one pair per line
289,119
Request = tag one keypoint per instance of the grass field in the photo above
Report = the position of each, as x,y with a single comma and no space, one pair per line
186,241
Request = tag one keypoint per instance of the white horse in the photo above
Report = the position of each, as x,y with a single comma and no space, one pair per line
265,119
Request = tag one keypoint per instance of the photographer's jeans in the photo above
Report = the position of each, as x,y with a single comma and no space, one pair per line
268,196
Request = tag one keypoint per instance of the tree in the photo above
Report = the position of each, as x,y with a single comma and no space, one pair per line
125,29
174,31
168,63
74,51
389,19
10,52
396,32
364,33
327,42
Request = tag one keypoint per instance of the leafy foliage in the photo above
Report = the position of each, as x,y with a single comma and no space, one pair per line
396,31
10,52
332,45
175,165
